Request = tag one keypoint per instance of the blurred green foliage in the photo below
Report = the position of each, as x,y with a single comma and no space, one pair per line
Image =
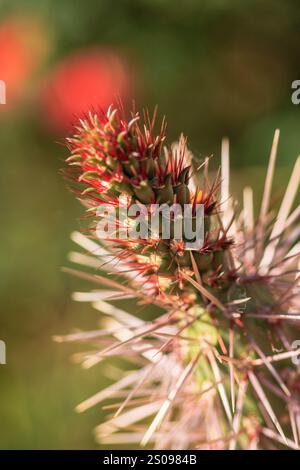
214,67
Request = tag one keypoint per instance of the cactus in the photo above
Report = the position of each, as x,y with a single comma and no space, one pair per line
215,368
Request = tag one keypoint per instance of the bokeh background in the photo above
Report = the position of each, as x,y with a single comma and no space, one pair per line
214,67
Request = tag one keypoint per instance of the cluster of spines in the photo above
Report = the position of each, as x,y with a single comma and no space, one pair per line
219,302
114,156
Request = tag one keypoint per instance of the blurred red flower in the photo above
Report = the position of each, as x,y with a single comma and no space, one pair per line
86,80
23,44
